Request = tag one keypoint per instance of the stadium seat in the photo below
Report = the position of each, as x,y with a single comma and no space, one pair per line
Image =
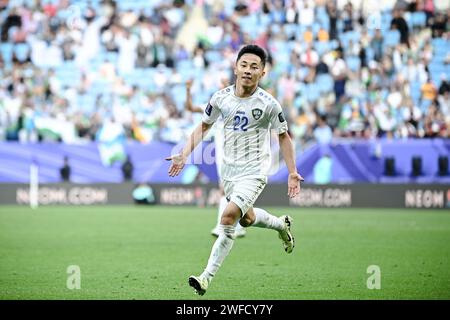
264,20
312,92
415,93
418,19
440,49
322,17
353,63
391,38
213,56
22,50
322,47
370,54
386,18
440,43
6,50
424,105
290,29
334,44
315,28
340,26
325,83
345,38
249,24
178,94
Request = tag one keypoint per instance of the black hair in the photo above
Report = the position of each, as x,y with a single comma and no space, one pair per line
253,49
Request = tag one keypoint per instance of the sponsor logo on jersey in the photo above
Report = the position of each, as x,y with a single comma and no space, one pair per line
208,109
281,117
257,113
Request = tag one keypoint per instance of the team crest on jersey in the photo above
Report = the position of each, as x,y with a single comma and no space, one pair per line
257,113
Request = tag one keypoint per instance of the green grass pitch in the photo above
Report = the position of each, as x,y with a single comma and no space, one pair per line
134,252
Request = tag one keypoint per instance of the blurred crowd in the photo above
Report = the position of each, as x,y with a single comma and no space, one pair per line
77,71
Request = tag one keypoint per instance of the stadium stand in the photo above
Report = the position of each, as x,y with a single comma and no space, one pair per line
75,71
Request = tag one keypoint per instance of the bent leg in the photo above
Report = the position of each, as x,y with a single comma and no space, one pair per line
257,217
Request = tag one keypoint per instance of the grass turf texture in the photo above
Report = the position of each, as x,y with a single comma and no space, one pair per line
128,252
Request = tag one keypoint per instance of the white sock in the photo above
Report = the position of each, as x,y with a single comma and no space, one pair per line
222,205
219,251
266,220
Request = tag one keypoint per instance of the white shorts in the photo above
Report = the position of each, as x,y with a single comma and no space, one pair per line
244,192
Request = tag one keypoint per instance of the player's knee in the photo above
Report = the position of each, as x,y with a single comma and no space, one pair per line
230,215
245,221
228,219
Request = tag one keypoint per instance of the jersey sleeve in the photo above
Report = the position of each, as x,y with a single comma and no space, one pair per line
212,111
277,120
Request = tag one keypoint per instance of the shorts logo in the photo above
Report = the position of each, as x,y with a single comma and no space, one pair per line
240,198
257,113
208,109
280,117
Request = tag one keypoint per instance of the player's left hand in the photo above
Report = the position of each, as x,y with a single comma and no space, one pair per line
294,180
178,162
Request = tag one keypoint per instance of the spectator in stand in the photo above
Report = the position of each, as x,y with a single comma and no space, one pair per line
445,85
308,36
399,23
339,73
439,25
377,45
426,6
323,133
333,18
309,58
322,35
428,90
63,75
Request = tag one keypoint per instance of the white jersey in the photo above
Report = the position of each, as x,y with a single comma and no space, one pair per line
247,123
218,142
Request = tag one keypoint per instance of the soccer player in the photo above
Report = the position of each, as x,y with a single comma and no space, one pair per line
218,140
248,114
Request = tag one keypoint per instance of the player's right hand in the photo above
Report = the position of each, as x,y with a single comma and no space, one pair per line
178,162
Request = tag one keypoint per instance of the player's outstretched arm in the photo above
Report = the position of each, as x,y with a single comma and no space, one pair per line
294,179
188,105
179,160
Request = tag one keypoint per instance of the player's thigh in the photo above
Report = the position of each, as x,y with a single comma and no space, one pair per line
246,191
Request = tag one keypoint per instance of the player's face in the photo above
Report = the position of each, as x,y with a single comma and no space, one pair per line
249,70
